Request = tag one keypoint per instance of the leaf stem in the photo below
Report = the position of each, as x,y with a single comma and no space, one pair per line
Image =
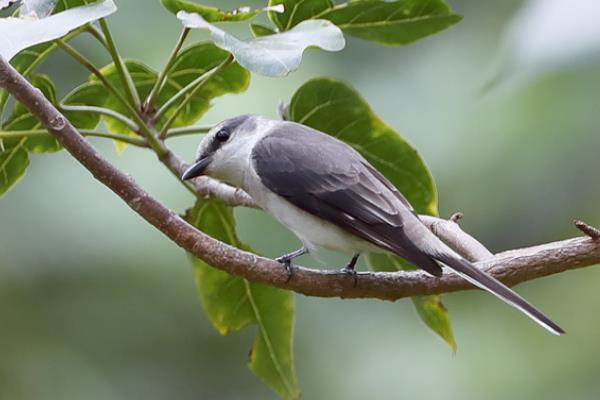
187,130
92,30
128,84
200,81
104,111
136,141
158,85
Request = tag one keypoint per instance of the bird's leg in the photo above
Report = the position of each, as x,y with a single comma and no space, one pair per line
349,268
286,259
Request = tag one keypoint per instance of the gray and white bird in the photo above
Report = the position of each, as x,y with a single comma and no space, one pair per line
329,196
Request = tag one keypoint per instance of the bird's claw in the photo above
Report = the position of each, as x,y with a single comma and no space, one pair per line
287,263
352,272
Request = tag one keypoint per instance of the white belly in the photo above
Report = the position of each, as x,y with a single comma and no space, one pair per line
312,231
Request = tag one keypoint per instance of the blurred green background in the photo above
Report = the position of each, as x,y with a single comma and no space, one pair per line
96,304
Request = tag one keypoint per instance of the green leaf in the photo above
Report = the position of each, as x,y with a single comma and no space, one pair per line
392,23
210,14
88,94
261,30
337,109
17,34
14,160
273,55
22,120
435,316
233,303
296,11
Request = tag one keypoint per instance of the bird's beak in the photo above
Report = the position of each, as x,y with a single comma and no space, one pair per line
196,169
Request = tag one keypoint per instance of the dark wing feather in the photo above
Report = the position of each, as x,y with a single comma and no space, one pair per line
327,178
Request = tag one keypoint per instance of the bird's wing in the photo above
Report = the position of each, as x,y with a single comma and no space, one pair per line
325,177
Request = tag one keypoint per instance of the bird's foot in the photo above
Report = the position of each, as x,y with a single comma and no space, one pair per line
349,270
287,263
286,260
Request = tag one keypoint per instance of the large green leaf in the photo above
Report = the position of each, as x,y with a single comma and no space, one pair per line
296,11
211,14
22,120
393,23
233,303
272,55
337,109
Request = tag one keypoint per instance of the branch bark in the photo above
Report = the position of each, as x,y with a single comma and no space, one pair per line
511,267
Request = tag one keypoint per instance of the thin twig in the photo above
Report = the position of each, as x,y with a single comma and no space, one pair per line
158,85
589,230
187,130
457,216
122,70
136,141
104,111
92,30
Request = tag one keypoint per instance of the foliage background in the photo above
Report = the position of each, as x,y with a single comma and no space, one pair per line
114,314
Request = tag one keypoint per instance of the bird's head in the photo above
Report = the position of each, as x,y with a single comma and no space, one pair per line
223,153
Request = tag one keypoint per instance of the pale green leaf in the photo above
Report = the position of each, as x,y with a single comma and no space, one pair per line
37,8
17,34
273,55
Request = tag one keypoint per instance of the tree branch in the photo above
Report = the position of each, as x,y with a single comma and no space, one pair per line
511,267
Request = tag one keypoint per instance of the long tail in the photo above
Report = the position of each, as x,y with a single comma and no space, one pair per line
479,278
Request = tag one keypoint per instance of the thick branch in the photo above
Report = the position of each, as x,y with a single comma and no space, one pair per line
511,267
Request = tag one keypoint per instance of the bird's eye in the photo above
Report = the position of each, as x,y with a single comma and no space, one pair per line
222,135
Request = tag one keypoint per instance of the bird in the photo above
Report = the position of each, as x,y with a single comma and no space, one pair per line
331,197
